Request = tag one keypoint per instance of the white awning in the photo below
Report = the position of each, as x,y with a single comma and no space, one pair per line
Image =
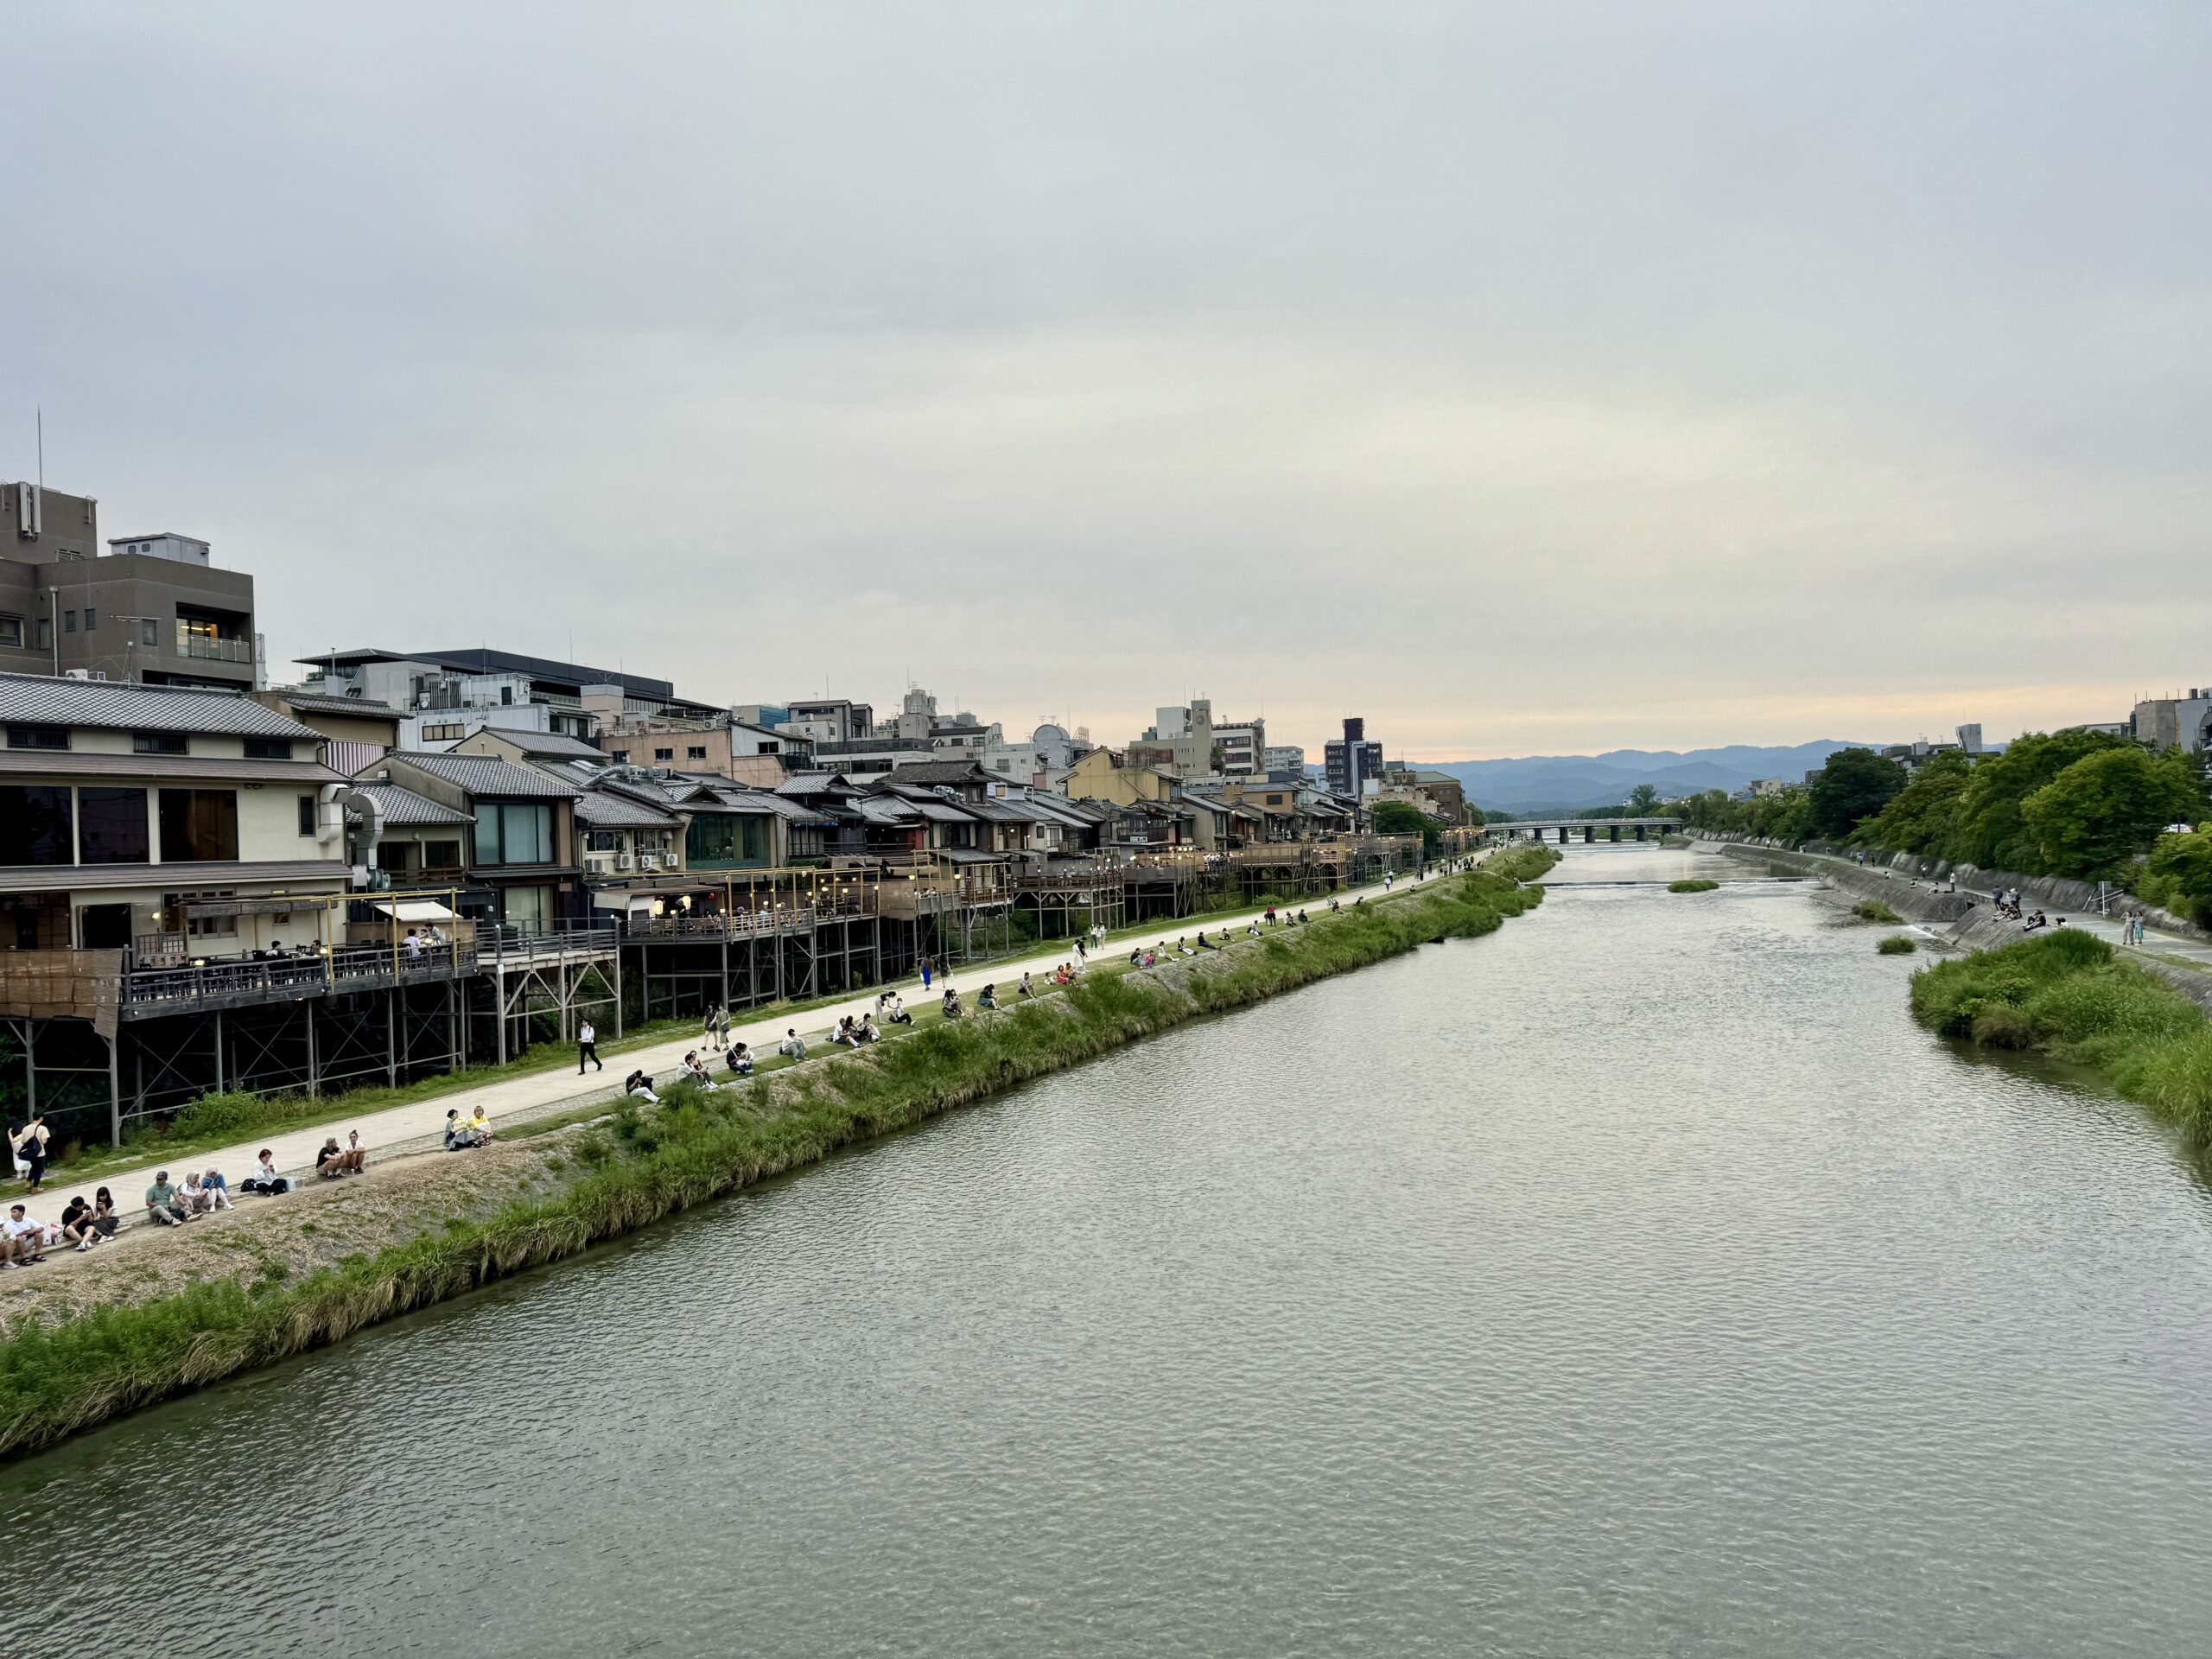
415,910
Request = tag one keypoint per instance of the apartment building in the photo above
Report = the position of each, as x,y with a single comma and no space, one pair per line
151,610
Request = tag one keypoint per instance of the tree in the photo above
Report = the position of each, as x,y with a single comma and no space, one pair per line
2184,865
1923,815
1642,800
1988,830
1404,818
1855,783
2107,807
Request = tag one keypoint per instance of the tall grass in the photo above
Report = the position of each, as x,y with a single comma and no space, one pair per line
1874,910
2066,995
645,1165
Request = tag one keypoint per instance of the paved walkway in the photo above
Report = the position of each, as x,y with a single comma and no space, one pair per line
419,1126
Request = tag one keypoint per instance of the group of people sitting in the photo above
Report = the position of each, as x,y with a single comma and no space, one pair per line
25,1239
2038,920
200,1195
416,943
855,1034
333,1160
462,1133
892,1011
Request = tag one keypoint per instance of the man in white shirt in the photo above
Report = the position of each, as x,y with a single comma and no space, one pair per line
26,1240
588,1047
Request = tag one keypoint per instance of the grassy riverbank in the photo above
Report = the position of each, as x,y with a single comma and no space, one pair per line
556,1194
2068,994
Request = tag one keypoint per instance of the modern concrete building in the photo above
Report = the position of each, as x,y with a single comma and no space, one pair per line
1240,748
1283,759
2177,721
153,610
1352,763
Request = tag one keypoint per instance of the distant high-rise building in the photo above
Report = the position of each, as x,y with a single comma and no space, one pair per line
1352,763
1970,738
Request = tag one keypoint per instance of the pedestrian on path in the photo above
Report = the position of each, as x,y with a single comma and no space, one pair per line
716,1028
925,973
588,1047
30,1147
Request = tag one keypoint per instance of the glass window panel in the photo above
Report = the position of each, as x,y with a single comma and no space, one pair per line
198,826
34,823
111,826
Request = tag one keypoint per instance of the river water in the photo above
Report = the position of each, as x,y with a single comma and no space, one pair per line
1637,1279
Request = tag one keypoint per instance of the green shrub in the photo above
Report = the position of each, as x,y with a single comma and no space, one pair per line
1874,910
1695,885
235,1116
1897,945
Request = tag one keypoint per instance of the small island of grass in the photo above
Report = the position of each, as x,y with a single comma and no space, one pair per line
1874,910
1896,945
1694,886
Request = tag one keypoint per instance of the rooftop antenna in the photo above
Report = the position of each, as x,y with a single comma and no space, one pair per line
41,447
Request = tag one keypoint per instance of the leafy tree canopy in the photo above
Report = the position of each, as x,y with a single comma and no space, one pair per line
2107,806
1988,830
1923,815
1855,783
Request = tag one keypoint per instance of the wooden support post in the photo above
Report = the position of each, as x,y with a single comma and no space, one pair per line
314,1067
392,1037
114,1093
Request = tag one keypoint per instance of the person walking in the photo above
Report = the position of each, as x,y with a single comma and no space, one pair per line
588,1047
30,1147
714,1028
925,973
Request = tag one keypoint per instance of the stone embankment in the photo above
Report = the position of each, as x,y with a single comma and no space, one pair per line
1966,918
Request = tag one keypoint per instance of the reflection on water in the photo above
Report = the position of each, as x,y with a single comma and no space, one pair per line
1636,1279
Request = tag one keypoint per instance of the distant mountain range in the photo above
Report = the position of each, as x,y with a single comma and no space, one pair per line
1574,783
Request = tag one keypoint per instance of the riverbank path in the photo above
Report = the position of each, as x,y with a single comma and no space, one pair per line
418,1127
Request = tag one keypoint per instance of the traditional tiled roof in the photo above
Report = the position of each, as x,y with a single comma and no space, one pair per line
608,809
401,807
484,775
323,702
40,699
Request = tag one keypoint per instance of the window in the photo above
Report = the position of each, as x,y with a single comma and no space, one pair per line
34,823
11,630
441,854
91,618
442,733
663,754
603,840
147,636
157,743
512,833
307,814
695,752
38,737
770,748
69,621
46,633
198,826
725,839
620,757
506,693
111,826
269,748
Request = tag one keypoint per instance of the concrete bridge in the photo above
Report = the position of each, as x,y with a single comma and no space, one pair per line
1590,829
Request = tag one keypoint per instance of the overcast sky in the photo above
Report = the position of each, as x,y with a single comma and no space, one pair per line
1528,379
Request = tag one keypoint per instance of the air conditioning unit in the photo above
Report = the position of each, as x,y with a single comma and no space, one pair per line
649,860
598,864
76,673
623,860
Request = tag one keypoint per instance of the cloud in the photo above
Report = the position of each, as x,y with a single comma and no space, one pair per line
1543,377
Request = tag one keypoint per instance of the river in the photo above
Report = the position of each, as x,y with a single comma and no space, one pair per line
1637,1279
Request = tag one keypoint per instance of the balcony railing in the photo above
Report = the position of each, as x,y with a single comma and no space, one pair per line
267,979
217,651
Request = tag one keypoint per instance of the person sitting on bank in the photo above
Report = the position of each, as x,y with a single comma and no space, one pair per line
194,1200
330,1161
1023,990
217,1190
847,1033
894,1012
989,998
1205,943
104,1218
264,1179
950,1007
1136,956
695,1072
356,1155
164,1203
1183,946
77,1227
793,1047
866,1031
26,1240
458,1137
639,1085
480,1125
739,1059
